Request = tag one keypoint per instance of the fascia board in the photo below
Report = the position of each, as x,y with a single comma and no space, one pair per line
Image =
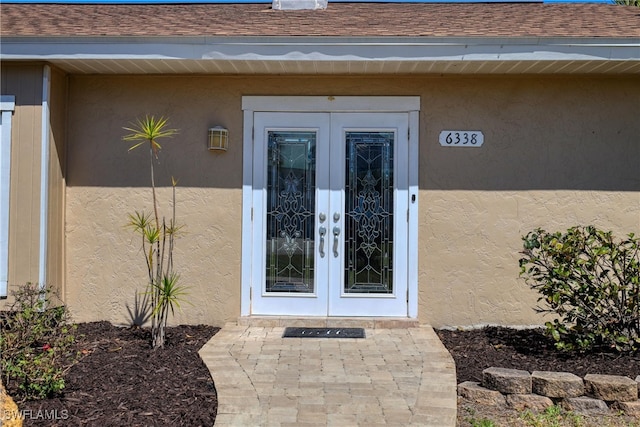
319,49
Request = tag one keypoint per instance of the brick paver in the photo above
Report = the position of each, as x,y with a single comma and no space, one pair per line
393,377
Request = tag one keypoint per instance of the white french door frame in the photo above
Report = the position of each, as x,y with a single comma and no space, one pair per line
324,104
341,303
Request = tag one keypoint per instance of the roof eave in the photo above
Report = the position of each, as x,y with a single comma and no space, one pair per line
327,55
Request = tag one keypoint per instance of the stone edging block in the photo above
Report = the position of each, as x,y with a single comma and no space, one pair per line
611,388
585,405
534,402
557,384
520,390
507,381
629,408
474,391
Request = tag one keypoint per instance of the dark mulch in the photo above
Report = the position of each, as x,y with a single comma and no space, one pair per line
121,381
529,350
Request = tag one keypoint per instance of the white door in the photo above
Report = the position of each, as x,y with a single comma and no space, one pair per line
330,214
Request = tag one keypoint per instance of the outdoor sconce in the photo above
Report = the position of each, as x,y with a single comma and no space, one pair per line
218,139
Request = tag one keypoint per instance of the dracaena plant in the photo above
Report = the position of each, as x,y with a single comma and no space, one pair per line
157,233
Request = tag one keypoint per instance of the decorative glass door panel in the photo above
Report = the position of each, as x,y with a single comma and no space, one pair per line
291,185
369,212
329,223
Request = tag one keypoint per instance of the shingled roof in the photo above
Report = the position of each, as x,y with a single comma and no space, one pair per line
339,19
346,38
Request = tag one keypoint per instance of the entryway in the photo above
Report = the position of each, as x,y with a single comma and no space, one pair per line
401,377
332,191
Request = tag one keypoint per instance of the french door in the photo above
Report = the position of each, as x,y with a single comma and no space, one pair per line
330,214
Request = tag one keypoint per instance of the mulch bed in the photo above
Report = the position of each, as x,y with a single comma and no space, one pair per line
529,350
122,381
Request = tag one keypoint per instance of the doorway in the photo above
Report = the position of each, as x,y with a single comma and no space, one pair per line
331,207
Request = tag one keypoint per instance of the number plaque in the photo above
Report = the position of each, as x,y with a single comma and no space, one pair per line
461,138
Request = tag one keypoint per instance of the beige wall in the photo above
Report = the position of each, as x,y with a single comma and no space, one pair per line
25,82
557,152
57,137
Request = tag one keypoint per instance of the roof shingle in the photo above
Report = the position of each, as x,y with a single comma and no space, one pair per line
339,19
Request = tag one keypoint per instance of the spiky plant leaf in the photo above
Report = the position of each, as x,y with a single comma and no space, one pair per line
148,130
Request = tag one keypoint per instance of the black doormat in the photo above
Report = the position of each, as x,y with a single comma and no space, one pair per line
323,333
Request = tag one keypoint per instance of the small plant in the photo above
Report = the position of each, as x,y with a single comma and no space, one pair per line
158,235
591,281
553,416
484,422
475,422
36,343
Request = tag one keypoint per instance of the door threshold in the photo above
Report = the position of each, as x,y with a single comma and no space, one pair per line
329,322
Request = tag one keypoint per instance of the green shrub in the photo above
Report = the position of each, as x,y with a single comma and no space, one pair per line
36,343
591,281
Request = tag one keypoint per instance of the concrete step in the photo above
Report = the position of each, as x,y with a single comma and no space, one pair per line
329,322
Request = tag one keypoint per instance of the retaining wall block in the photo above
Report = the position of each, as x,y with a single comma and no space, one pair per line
557,384
475,392
611,387
585,405
507,381
533,402
631,409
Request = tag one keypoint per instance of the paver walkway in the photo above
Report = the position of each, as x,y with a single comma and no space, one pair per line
396,377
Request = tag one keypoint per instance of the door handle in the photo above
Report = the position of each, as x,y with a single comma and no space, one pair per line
336,233
322,232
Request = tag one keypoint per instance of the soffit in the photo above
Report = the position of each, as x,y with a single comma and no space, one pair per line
346,38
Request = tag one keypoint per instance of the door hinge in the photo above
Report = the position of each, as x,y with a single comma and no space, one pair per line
407,296
251,294
407,215
409,133
251,214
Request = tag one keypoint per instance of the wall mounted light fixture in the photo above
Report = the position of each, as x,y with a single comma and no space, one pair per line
218,139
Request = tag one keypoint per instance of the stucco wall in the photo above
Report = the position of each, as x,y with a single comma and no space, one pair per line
557,152
105,182
56,197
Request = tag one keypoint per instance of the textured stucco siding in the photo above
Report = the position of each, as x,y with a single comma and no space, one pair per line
470,243
558,152
55,272
105,182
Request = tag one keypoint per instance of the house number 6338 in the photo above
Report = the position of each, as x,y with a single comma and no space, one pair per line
461,138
